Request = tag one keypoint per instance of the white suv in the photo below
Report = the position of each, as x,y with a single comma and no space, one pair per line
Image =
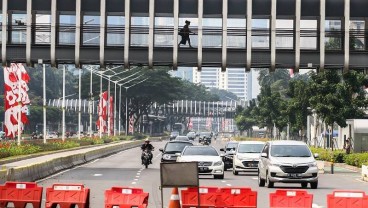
247,156
287,162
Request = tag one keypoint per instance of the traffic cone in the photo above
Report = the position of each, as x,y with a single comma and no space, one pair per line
174,199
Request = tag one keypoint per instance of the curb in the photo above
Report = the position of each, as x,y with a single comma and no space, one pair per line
34,172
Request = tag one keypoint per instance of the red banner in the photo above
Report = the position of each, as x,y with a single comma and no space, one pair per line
16,99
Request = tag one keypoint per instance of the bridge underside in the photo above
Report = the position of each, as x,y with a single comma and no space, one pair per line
188,57
319,34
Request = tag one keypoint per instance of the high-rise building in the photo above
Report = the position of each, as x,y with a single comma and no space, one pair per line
235,80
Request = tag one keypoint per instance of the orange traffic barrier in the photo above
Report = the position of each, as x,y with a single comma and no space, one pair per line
66,195
174,199
208,197
237,197
125,197
347,199
291,199
20,194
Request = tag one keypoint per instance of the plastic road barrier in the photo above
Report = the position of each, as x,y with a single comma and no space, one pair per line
291,199
347,199
66,195
126,197
208,197
20,194
237,197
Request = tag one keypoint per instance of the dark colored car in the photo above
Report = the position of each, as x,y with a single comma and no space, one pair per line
205,135
229,151
173,135
172,147
191,135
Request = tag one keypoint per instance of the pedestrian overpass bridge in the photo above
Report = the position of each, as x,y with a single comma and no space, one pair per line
229,33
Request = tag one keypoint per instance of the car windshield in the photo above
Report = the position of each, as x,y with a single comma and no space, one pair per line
250,148
183,138
209,151
176,146
290,151
230,146
205,134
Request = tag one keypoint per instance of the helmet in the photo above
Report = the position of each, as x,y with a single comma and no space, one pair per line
147,140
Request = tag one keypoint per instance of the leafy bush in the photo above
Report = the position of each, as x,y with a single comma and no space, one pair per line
139,136
327,155
58,145
8,149
356,159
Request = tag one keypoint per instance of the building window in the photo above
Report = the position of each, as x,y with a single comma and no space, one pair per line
308,34
67,29
18,31
333,35
284,34
261,33
236,33
115,30
357,35
43,29
139,31
163,31
91,30
212,33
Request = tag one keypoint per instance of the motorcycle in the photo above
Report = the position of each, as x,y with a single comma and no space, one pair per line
146,155
205,141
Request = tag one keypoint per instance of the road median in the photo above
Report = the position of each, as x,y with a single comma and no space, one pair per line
45,168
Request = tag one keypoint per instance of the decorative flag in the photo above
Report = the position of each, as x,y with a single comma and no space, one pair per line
111,106
131,124
16,99
102,113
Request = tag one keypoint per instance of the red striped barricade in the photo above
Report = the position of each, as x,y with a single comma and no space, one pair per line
347,199
237,197
126,197
66,195
291,199
208,197
20,194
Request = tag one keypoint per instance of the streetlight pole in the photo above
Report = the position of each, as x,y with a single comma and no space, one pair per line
119,109
90,105
44,102
63,108
79,102
115,111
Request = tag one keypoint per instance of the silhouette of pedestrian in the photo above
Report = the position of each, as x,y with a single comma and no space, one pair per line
184,33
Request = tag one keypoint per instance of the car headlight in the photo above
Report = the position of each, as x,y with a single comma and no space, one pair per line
313,164
218,163
166,157
275,164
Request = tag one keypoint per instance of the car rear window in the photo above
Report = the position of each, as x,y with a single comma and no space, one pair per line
200,151
250,148
176,146
290,151
230,146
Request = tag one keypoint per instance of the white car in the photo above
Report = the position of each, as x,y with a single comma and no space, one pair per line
247,156
209,160
287,162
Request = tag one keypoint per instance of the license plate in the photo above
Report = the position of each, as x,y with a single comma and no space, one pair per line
294,175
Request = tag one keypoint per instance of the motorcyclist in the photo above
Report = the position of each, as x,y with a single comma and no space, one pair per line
149,147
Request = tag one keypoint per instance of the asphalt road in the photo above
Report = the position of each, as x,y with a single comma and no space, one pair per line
125,169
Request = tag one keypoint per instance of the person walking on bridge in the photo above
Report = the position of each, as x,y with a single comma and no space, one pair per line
184,33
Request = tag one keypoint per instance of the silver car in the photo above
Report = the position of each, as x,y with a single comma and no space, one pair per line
287,162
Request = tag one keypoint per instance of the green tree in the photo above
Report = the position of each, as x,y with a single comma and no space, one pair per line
336,98
298,104
244,117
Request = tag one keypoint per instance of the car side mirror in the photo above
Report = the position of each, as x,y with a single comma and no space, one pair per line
222,149
316,155
178,154
161,150
263,154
